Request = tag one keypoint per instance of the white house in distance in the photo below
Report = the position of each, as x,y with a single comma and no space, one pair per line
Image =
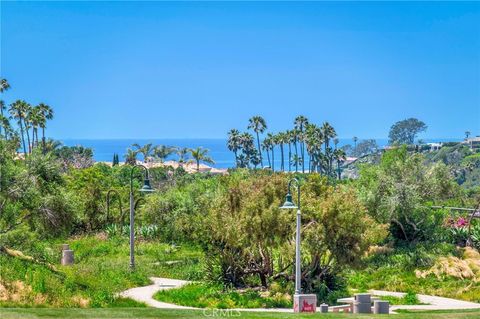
473,142
435,146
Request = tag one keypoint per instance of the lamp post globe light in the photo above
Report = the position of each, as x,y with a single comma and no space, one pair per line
146,188
301,302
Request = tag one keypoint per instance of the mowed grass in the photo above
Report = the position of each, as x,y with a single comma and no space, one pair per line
107,313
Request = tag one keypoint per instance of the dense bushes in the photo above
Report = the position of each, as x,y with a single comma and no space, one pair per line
398,190
249,240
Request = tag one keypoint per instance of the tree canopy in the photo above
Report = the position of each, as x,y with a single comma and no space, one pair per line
405,131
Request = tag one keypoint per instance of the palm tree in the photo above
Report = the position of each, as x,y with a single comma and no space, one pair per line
340,157
18,110
254,158
233,143
52,145
295,140
271,146
200,154
131,157
281,138
4,85
467,134
258,125
28,125
146,150
182,153
36,119
328,132
355,139
336,141
4,118
289,137
300,123
247,146
313,139
47,114
5,124
161,152
266,147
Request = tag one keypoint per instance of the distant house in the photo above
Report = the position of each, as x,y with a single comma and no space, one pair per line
435,146
473,142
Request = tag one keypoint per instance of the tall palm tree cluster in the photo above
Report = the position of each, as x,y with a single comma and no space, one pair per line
28,118
306,147
161,152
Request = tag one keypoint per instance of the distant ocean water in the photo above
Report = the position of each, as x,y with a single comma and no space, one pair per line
103,149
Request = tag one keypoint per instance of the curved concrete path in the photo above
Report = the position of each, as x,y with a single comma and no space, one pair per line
433,302
145,295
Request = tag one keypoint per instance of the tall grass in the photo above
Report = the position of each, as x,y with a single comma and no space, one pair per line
100,272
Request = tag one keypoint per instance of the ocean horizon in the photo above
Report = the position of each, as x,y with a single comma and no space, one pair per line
103,149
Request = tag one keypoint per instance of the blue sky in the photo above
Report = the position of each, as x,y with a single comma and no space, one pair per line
166,70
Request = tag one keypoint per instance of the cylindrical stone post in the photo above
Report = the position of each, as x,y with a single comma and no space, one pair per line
67,257
381,307
323,308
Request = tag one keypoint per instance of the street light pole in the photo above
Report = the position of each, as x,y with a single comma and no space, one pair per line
301,302
146,188
289,205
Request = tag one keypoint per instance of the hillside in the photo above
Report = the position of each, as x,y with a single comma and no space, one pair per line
464,164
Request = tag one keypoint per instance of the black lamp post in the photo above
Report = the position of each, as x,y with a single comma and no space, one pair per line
146,188
289,204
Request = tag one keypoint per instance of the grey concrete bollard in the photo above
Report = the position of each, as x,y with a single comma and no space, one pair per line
360,307
323,308
67,257
381,307
363,298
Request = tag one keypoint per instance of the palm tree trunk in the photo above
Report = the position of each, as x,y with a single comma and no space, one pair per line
1,124
198,165
43,140
259,149
36,136
273,158
296,154
23,138
236,158
268,156
289,156
28,136
282,165
302,149
310,162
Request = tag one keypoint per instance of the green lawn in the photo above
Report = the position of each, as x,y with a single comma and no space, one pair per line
17,313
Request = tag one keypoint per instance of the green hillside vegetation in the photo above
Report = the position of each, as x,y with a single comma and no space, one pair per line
228,234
